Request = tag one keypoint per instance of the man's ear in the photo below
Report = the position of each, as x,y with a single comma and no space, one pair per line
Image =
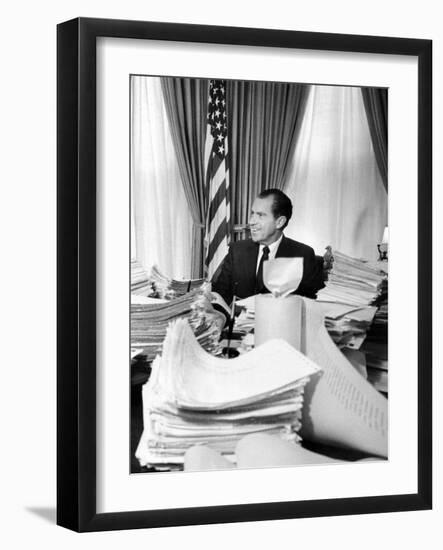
281,220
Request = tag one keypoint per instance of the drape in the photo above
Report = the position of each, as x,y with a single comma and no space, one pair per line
186,106
376,106
263,124
334,184
161,224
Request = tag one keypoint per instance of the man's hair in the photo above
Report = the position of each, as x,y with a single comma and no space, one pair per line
281,203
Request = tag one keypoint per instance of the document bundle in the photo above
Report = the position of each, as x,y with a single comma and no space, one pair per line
348,325
352,281
159,285
169,288
150,318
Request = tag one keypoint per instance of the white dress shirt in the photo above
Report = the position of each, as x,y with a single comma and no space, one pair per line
273,247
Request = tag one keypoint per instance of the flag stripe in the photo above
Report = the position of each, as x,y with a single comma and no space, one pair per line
217,179
216,173
218,218
219,255
216,162
216,240
218,198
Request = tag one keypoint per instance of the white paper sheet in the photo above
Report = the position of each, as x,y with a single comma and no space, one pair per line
282,276
278,318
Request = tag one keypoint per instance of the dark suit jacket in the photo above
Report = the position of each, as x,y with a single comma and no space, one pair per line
238,271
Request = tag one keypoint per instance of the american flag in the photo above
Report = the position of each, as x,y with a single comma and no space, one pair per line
217,179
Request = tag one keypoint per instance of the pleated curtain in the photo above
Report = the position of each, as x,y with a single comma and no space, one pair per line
186,106
161,226
264,121
376,106
334,183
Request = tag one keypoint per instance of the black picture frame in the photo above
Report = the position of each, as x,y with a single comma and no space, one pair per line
76,279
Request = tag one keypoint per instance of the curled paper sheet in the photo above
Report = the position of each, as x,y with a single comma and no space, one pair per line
341,408
254,451
282,275
278,318
264,451
201,458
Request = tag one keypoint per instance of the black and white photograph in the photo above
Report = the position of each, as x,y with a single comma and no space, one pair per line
243,274
259,253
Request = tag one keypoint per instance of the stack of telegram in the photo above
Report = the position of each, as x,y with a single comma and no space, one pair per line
140,282
352,281
195,398
150,318
166,287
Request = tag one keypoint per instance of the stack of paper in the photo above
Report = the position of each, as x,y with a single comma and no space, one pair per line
195,398
352,281
140,282
245,322
150,318
347,325
169,288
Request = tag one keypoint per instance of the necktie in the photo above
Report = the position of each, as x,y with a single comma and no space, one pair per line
259,285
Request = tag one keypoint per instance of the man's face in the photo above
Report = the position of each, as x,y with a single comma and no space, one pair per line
265,229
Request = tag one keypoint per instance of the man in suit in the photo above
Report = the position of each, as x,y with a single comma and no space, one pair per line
241,273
